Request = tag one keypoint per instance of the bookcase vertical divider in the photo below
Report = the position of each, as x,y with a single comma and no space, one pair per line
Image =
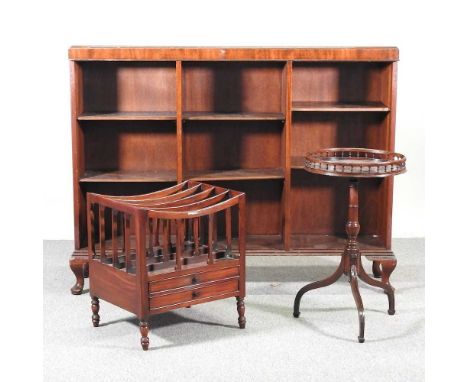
287,104
79,260
79,202
390,144
392,96
179,121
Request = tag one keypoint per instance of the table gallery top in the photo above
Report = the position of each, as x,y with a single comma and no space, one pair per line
355,162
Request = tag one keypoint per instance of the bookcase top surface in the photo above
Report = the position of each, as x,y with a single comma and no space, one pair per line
147,53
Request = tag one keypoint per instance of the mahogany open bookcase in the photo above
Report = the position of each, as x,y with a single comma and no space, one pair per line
145,118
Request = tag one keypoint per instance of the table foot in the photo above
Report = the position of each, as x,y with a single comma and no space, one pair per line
353,280
315,285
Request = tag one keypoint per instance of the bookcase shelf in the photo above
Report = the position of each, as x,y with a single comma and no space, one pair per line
129,176
211,116
129,116
304,106
237,174
241,118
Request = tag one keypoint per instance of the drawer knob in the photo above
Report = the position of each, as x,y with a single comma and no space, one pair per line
194,294
194,280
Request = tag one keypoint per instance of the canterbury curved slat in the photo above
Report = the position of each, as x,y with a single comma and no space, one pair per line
189,199
165,192
146,202
171,191
175,196
196,205
195,213
110,203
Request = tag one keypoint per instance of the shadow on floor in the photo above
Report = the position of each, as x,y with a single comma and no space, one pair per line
166,319
164,326
286,312
297,273
288,273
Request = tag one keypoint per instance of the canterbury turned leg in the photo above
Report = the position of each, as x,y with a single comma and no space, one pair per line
351,266
241,311
95,309
144,329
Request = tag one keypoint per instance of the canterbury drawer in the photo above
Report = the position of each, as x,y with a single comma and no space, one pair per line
213,289
193,279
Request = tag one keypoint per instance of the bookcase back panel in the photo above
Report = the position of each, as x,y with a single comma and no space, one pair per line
313,131
263,213
341,82
129,86
225,145
127,188
130,145
229,87
319,204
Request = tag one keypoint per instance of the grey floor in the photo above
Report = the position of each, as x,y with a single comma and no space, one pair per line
203,343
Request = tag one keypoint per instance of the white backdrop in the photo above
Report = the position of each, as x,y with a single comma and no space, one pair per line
35,155
241,24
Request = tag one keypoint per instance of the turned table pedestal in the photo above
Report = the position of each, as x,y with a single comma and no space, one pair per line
355,164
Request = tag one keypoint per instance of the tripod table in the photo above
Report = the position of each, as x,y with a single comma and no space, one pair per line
354,164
